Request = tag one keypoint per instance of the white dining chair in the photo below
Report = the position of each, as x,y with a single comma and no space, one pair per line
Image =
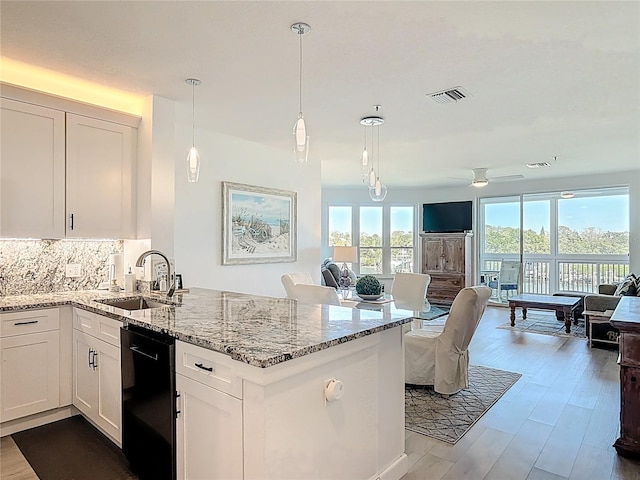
290,279
409,290
441,359
316,294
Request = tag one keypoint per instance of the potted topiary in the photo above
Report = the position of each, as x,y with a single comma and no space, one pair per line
368,288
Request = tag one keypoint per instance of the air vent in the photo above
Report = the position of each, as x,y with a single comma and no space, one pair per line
451,95
538,165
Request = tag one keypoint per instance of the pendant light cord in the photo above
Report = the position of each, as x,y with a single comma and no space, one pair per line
300,32
193,115
378,127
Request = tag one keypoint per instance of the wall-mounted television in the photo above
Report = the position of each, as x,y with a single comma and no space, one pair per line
447,217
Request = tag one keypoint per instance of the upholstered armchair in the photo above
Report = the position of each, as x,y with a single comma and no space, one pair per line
441,359
331,274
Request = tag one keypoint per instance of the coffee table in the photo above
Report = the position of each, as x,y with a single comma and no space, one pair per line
569,306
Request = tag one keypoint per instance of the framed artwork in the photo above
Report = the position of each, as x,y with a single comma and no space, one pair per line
259,224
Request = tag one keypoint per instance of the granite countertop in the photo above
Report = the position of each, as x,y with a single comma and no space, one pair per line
259,331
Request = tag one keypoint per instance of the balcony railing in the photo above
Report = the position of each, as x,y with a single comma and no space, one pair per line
576,276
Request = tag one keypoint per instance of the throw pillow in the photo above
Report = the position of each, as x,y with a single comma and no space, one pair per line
627,286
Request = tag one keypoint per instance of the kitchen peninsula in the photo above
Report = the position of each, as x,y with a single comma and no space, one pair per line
265,405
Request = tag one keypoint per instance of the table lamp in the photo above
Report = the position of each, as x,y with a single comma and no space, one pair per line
345,255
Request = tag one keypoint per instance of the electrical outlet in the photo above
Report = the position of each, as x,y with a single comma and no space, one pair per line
73,270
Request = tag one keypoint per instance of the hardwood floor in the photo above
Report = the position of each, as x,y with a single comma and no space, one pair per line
557,422
13,466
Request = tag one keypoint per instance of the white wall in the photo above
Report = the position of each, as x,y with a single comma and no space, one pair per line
198,208
418,196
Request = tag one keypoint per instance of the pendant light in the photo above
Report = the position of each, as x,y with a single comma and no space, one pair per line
193,157
301,139
365,154
377,191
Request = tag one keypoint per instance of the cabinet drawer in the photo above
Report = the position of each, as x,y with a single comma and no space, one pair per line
98,326
208,367
29,321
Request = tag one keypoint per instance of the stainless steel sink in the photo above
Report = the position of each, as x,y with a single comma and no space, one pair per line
134,303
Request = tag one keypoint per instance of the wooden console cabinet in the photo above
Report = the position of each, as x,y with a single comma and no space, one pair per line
447,258
626,318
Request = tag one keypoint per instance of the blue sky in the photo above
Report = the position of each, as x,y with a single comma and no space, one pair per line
609,213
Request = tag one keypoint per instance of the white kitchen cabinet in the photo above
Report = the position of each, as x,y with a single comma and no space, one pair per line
32,161
65,174
208,432
210,394
97,390
30,368
99,185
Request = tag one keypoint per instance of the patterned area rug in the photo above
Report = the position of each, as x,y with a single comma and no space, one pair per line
448,419
545,323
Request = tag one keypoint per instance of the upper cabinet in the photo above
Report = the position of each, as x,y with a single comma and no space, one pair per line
32,168
99,179
66,175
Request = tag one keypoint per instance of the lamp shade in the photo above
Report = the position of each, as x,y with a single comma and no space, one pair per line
345,254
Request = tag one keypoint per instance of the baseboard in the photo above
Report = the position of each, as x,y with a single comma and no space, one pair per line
394,471
37,420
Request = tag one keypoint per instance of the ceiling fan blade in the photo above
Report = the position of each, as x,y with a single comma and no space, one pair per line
506,178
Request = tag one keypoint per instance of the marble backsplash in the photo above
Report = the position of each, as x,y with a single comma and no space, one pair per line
38,266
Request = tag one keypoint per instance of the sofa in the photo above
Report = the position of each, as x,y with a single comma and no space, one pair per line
609,294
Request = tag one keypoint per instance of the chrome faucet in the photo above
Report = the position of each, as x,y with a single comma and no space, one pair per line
140,263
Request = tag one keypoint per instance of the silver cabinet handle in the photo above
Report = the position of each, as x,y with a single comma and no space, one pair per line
136,349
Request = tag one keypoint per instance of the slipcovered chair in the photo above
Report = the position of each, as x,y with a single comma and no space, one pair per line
315,294
290,279
442,359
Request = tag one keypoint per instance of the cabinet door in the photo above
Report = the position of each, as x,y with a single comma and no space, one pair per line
109,414
453,251
97,390
30,374
208,431
32,161
99,178
85,379
432,254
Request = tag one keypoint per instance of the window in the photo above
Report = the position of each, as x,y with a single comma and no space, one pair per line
371,240
385,235
340,226
401,219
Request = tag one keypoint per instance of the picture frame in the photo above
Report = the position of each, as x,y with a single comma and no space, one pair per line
259,225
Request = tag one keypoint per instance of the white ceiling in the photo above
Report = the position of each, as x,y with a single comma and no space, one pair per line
548,79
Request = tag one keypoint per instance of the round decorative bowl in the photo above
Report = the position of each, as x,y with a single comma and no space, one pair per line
370,297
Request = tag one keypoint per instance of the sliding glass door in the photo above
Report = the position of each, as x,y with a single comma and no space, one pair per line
563,244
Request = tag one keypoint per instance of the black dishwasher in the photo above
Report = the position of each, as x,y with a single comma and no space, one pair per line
148,403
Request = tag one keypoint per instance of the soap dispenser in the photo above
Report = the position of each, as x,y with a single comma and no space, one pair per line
130,282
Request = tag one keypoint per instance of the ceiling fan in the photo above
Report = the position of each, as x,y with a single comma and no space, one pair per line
480,178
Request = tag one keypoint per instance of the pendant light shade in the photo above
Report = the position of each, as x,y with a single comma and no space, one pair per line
193,157
300,135
193,165
378,192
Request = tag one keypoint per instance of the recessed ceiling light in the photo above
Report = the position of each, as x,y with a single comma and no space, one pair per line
567,195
